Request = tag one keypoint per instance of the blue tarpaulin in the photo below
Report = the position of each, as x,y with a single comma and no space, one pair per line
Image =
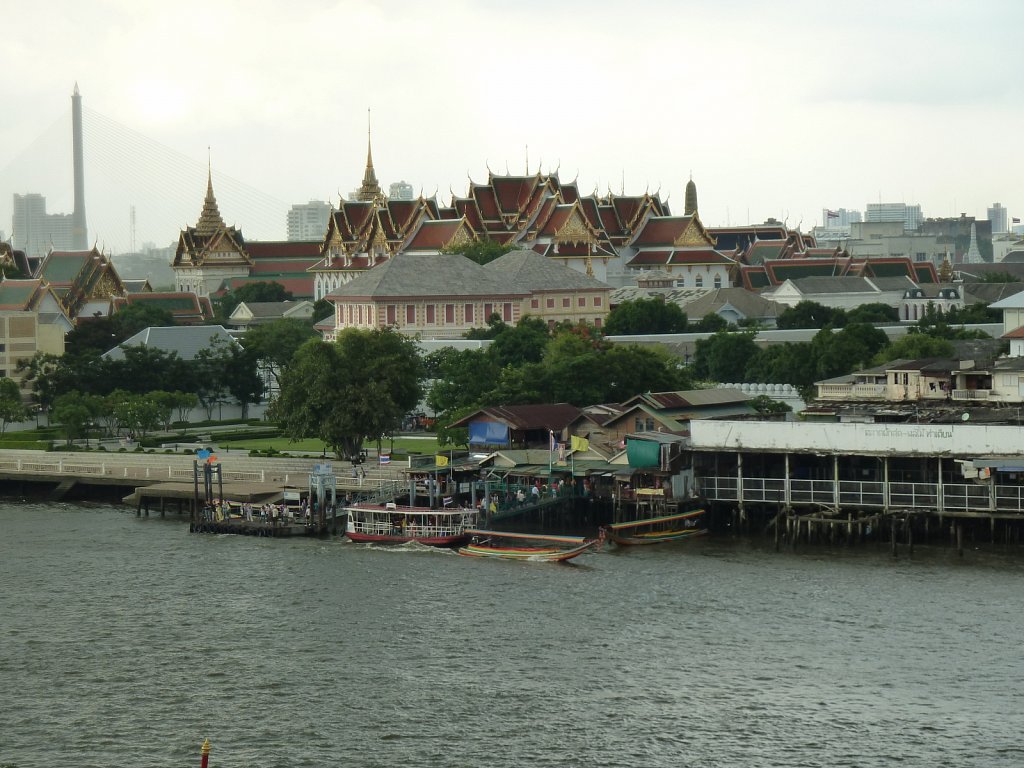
488,433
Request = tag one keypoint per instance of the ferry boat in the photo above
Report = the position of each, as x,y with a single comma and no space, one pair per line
655,530
527,546
395,524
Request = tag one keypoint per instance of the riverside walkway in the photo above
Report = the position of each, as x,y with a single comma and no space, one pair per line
170,476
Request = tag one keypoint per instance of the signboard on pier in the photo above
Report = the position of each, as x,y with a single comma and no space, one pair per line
964,440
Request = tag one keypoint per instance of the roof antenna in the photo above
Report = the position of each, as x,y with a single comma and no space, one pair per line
527,159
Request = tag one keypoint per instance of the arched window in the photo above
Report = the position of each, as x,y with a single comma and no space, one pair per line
698,280
718,281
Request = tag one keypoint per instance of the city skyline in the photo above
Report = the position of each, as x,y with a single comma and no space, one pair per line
776,111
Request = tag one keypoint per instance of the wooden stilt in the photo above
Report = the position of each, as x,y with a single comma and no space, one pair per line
892,534
959,539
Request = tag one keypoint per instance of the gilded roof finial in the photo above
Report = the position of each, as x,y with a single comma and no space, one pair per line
370,190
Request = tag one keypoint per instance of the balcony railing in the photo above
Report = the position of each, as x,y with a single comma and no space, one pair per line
851,391
866,495
971,394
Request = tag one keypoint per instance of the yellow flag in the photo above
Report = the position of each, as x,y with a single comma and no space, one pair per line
579,443
441,461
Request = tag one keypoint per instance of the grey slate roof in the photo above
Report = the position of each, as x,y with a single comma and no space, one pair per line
533,272
185,340
745,302
900,283
414,275
989,292
833,285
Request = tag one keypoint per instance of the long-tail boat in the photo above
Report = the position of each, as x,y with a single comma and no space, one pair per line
526,546
396,524
655,530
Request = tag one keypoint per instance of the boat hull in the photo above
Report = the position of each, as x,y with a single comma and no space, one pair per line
532,554
655,538
430,541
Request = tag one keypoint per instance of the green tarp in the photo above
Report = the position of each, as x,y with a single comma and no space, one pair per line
643,453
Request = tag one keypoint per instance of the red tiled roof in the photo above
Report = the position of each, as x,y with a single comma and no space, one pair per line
283,249
433,235
649,257
661,230
1016,333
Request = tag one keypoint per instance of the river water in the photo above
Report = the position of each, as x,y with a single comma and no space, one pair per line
127,641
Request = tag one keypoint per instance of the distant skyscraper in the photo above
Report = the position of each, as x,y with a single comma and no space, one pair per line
400,190
997,215
910,215
848,217
36,231
308,221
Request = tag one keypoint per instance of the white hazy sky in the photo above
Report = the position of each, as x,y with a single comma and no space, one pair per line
777,108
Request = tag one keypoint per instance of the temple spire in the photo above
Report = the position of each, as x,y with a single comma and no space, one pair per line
690,200
210,221
370,190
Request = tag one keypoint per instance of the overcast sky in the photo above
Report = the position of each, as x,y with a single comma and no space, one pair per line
777,108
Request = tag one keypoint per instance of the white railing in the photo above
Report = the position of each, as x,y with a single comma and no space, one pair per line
812,492
868,494
849,391
971,394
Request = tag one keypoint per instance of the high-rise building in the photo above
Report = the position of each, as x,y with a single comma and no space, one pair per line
910,215
997,216
308,221
400,190
36,232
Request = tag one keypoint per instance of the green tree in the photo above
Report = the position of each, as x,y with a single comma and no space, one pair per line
914,346
520,343
267,290
642,316
875,312
790,363
810,314
75,412
495,327
184,402
141,414
460,380
275,343
322,308
481,251
847,349
12,410
766,406
724,356
136,317
712,322
359,387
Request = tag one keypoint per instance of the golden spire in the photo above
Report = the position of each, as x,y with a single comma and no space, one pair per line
370,190
210,221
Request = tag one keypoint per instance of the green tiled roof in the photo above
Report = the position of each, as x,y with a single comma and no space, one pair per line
787,271
16,295
64,269
169,303
887,269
